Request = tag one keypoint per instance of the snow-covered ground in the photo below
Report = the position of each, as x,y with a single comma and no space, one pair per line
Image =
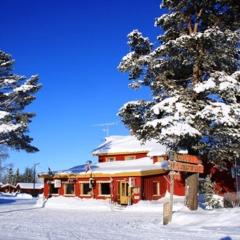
72,219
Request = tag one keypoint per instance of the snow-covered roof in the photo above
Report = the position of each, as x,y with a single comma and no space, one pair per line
29,185
137,166
7,185
129,144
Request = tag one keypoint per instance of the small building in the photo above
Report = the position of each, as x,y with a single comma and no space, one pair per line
126,172
30,188
7,188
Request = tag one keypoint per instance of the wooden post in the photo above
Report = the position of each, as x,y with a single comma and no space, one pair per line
171,190
167,214
191,183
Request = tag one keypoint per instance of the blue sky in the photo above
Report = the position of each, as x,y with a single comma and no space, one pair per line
75,47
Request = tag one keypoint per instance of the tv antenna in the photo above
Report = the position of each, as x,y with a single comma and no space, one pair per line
106,126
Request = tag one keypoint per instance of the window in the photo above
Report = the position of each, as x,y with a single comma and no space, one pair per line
104,188
156,188
69,189
85,190
130,157
52,189
110,159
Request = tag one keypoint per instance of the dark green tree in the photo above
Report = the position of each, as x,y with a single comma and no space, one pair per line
16,92
193,74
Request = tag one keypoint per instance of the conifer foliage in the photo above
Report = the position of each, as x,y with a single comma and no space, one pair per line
16,92
193,74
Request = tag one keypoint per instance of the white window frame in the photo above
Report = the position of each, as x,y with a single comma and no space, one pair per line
130,157
110,159
81,189
158,188
53,194
64,189
99,189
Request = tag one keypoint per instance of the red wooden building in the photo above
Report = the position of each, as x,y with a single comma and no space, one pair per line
7,188
126,172
30,188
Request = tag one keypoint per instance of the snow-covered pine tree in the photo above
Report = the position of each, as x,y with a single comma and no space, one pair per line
16,92
194,78
208,189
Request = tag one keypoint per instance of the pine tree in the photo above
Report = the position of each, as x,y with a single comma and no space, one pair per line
10,175
208,190
28,175
194,78
16,92
17,176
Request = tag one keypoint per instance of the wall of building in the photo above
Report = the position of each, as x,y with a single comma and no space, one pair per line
121,157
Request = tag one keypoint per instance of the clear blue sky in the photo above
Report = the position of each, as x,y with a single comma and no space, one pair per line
75,47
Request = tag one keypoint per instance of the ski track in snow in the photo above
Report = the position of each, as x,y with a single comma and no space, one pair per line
25,221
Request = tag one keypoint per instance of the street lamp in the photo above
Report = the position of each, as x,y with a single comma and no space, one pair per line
34,176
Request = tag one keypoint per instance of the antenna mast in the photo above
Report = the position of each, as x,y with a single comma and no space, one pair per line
105,126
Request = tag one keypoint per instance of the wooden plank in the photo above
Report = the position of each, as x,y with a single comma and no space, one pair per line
185,167
192,191
187,158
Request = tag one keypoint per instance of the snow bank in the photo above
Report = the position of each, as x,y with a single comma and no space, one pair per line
23,196
66,203
15,196
157,205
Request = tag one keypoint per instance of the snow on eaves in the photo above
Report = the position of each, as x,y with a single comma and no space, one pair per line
29,185
117,167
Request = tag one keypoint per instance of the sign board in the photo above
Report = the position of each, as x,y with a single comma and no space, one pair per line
57,183
167,213
187,158
131,182
185,167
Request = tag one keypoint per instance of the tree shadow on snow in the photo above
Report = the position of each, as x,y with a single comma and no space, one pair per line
226,238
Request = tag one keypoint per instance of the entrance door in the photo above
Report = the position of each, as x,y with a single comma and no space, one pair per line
123,192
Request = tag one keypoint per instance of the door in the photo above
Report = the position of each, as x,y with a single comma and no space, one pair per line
123,193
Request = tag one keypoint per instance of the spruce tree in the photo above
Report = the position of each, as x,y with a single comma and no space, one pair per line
208,190
193,74
16,92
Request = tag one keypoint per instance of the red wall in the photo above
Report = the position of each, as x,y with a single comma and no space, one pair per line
120,157
179,186
222,178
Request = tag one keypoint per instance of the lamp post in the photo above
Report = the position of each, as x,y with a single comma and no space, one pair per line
34,176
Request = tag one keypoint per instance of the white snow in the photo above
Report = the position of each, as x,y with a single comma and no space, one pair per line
3,114
165,105
6,128
24,87
15,196
201,87
128,144
29,185
180,129
220,113
99,220
137,165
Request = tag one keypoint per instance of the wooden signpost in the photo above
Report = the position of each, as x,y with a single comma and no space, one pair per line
167,213
185,167
191,165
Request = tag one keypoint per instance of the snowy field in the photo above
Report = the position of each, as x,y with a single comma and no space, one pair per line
72,219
